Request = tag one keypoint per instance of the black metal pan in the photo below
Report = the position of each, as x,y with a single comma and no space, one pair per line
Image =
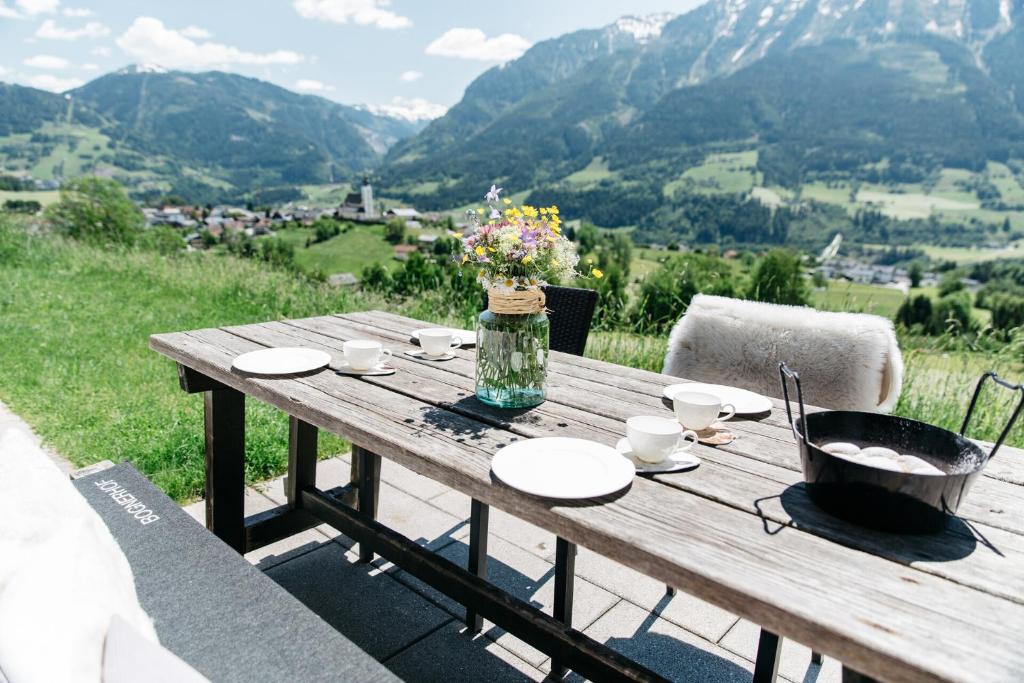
883,499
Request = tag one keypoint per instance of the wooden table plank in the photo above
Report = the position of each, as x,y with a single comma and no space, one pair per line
867,611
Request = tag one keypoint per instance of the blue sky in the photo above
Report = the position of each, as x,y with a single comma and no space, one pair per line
414,56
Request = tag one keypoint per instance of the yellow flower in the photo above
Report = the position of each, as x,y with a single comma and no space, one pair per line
457,235
465,257
551,238
529,212
491,249
543,211
553,210
510,282
527,259
480,251
590,259
597,273
480,273
507,201
555,262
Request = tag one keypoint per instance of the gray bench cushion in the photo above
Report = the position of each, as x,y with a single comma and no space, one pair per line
209,605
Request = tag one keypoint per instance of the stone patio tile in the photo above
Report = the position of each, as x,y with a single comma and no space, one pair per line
667,649
526,577
329,473
417,520
530,538
275,553
682,609
796,658
405,479
374,611
450,654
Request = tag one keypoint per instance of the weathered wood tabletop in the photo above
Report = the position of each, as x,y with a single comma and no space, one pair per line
738,531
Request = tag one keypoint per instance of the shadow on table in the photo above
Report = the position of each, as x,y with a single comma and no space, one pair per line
469,419
957,541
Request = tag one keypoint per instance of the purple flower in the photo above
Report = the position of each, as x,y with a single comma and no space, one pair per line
529,237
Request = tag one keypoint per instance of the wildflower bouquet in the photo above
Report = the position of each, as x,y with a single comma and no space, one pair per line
518,248
515,251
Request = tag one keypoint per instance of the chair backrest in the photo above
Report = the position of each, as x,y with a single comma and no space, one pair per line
847,361
570,310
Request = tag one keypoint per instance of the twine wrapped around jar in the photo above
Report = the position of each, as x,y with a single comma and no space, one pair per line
519,302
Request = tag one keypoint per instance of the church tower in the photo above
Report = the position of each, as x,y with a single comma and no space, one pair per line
369,210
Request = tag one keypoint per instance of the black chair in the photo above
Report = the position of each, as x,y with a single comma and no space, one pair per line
570,310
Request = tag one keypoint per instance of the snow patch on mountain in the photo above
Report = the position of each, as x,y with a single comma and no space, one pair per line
644,29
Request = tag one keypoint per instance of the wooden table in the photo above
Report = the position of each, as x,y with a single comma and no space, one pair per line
738,531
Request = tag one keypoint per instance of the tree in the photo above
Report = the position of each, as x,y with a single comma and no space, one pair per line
665,293
778,278
587,238
96,210
375,277
915,273
950,284
394,231
22,206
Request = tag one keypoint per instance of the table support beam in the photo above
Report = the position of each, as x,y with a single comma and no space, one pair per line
479,517
565,579
224,416
583,654
766,667
302,445
366,471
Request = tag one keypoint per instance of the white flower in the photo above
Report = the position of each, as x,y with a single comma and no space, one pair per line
516,360
540,357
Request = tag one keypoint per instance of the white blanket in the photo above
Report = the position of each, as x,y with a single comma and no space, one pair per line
846,361
62,575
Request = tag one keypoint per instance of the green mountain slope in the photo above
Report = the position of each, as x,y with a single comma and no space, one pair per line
202,135
869,90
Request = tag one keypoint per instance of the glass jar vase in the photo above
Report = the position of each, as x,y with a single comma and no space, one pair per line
512,358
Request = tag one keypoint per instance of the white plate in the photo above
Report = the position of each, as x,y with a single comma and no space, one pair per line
468,337
560,467
677,462
381,368
281,361
745,402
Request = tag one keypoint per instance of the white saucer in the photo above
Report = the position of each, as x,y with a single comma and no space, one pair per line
380,369
745,402
561,467
677,462
422,355
467,337
281,361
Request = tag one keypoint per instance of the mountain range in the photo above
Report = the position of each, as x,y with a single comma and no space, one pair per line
200,135
881,90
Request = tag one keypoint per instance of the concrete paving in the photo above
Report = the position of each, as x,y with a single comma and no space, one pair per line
418,632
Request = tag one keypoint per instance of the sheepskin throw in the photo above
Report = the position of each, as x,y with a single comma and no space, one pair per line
846,361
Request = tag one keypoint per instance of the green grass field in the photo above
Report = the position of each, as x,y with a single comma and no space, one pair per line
596,171
44,197
857,298
731,172
347,253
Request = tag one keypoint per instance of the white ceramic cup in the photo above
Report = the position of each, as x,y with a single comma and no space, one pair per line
655,438
364,354
438,341
697,410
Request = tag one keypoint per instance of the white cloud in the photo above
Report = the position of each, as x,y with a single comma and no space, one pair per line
32,7
47,62
76,12
410,76
472,43
148,40
196,32
8,12
3,71
410,108
101,51
310,85
89,66
363,12
54,83
50,30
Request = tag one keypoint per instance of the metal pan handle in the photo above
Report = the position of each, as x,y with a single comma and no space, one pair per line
784,373
974,402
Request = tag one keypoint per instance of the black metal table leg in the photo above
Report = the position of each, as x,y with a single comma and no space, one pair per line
766,667
478,522
816,658
224,417
851,676
366,466
565,575
302,440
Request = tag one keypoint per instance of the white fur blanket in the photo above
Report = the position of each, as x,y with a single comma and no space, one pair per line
846,361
